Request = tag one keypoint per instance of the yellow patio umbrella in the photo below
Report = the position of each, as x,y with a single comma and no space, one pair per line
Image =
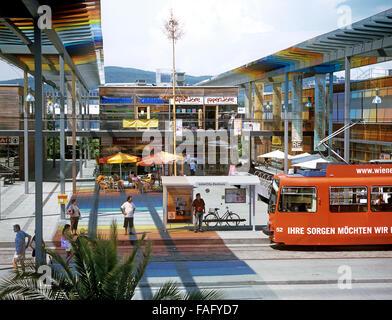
119,158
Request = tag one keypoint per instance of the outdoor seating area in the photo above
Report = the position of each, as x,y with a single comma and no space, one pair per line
143,184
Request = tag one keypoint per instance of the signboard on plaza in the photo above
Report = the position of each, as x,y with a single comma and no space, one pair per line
9,140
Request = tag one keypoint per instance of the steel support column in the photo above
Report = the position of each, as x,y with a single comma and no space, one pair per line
297,107
347,98
62,133
286,122
319,110
330,107
73,134
38,143
26,134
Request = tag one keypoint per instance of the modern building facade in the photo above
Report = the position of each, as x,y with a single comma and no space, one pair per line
135,109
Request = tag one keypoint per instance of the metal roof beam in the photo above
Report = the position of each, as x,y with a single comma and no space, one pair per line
32,7
359,38
372,30
16,62
15,30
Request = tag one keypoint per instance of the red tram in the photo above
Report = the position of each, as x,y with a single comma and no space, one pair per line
344,205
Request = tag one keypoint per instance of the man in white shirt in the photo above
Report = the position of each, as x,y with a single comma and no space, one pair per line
128,209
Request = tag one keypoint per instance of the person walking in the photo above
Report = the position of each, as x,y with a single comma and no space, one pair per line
74,212
20,247
199,208
128,210
65,242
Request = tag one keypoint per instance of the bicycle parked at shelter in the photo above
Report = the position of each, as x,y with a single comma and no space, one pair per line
213,218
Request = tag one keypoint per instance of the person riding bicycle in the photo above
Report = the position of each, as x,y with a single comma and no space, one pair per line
199,208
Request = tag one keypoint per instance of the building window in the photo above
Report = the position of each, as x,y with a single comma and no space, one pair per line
381,199
298,199
348,199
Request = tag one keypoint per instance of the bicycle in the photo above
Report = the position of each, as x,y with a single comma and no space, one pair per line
212,218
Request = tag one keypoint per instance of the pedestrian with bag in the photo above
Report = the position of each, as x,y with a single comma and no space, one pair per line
199,208
74,212
128,210
20,247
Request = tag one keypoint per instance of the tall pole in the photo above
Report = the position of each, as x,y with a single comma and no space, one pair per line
38,143
62,134
73,134
330,107
80,101
53,126
347,96
26,135
286,122
174,110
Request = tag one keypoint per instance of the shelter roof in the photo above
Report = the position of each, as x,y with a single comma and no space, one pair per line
76,30
368,41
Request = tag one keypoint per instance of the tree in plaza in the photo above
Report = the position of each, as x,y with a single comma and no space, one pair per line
97,274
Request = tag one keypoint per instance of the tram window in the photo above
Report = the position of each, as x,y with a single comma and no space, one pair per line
298,199
381,199
348,199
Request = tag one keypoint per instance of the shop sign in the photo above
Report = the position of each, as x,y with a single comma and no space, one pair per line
106,100
241,110
9,140
150,100
140,123
188,100
220,100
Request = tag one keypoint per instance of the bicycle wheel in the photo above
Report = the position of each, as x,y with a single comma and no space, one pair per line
233,216
210,216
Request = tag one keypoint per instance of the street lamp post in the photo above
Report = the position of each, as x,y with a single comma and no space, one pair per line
30,100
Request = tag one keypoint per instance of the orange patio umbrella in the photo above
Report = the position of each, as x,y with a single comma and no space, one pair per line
159,158
119,158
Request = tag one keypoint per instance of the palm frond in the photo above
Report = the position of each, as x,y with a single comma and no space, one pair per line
203,295
169,291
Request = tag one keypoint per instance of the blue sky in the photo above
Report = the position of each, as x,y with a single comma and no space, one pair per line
219,34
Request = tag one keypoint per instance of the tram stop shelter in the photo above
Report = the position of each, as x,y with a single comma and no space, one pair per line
235,192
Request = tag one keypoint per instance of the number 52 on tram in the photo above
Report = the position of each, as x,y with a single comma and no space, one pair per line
344,205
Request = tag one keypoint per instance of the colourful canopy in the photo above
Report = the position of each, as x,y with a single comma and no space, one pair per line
119,158
160,158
